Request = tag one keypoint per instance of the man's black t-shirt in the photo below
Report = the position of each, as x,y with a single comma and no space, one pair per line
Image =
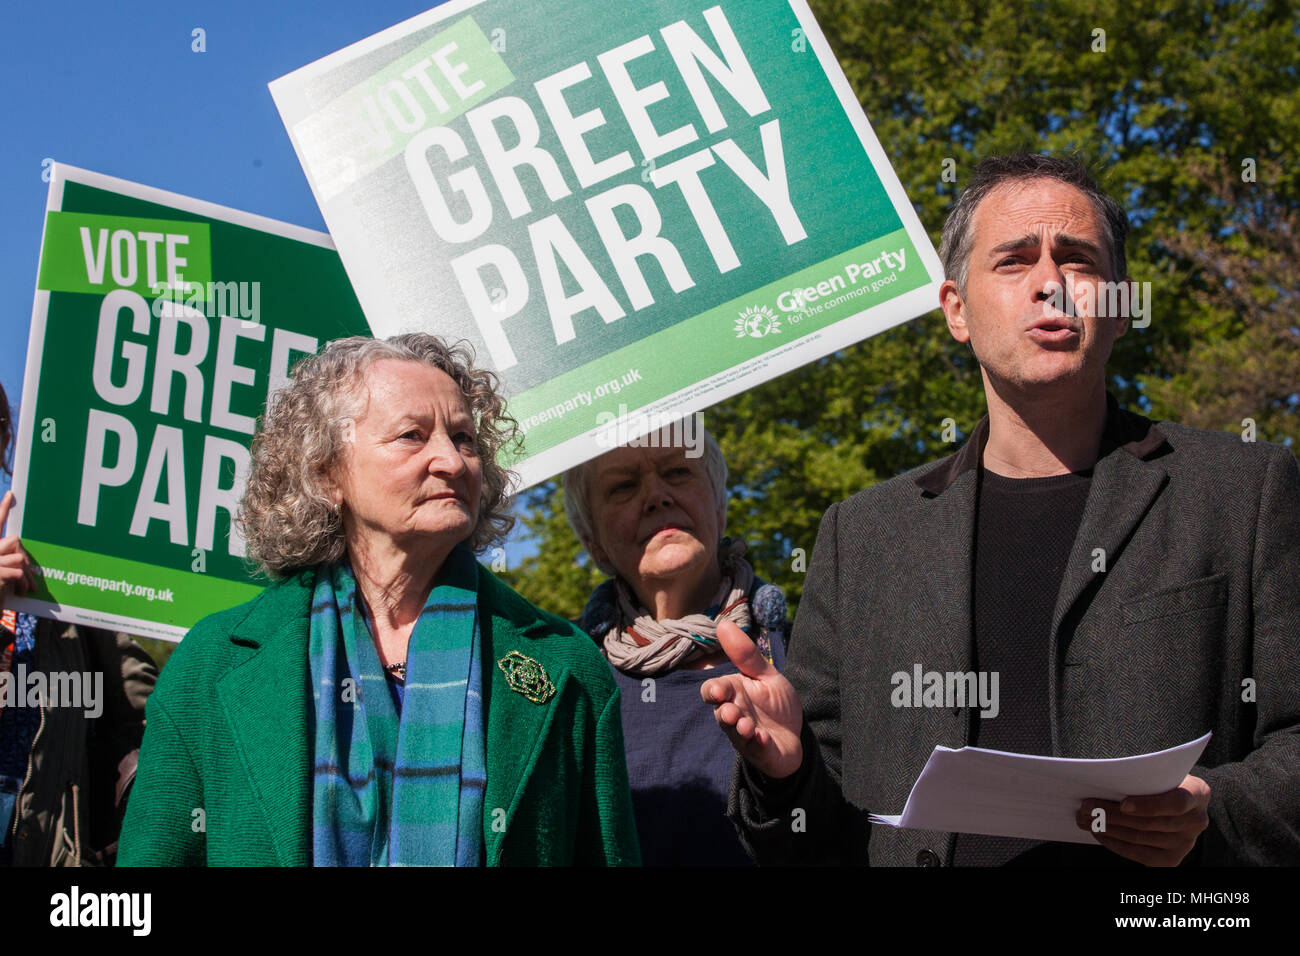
1024,534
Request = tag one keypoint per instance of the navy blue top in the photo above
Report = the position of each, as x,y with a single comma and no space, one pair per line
679,763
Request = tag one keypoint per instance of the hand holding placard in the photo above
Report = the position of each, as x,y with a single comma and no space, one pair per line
16,575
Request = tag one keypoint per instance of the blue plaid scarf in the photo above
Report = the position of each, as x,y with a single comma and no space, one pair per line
392,789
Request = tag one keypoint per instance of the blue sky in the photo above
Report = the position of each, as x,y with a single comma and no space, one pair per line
118,89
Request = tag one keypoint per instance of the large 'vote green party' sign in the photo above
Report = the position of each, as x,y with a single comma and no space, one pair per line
630,216
631,212
161,324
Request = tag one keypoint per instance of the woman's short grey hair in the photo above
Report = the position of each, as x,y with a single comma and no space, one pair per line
958,242
288,516
577,500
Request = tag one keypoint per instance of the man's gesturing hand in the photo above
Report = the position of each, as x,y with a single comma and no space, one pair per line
1156,830
758,709
16,575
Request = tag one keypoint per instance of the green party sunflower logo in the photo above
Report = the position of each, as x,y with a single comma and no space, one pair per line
756,322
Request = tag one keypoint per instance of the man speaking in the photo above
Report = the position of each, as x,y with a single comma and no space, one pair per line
1126,585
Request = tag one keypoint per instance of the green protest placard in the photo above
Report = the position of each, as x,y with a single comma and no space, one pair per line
630,216
161,324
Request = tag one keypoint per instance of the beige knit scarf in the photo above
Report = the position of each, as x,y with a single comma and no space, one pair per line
641,646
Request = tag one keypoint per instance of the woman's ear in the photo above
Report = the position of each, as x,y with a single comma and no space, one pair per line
330,488
597,553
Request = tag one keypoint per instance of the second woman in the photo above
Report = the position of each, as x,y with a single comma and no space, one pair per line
652,518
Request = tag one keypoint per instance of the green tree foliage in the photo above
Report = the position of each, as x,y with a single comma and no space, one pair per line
1166,100
1244,365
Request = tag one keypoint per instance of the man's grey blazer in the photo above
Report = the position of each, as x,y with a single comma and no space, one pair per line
1193,626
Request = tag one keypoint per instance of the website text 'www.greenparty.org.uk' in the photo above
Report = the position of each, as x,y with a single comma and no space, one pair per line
76,578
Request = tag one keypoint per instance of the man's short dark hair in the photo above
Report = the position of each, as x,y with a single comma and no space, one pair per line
958,236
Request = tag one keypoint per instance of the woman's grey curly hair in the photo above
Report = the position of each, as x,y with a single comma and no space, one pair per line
287,515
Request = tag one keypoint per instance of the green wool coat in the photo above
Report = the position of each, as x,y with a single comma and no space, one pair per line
226,764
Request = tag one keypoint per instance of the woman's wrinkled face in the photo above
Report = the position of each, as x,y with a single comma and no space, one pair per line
412,469
655,517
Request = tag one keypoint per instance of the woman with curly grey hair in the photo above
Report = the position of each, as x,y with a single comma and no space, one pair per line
387,700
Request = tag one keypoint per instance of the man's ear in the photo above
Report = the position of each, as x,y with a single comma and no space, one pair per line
954,310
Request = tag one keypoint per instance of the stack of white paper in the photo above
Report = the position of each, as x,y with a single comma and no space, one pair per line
1003,794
